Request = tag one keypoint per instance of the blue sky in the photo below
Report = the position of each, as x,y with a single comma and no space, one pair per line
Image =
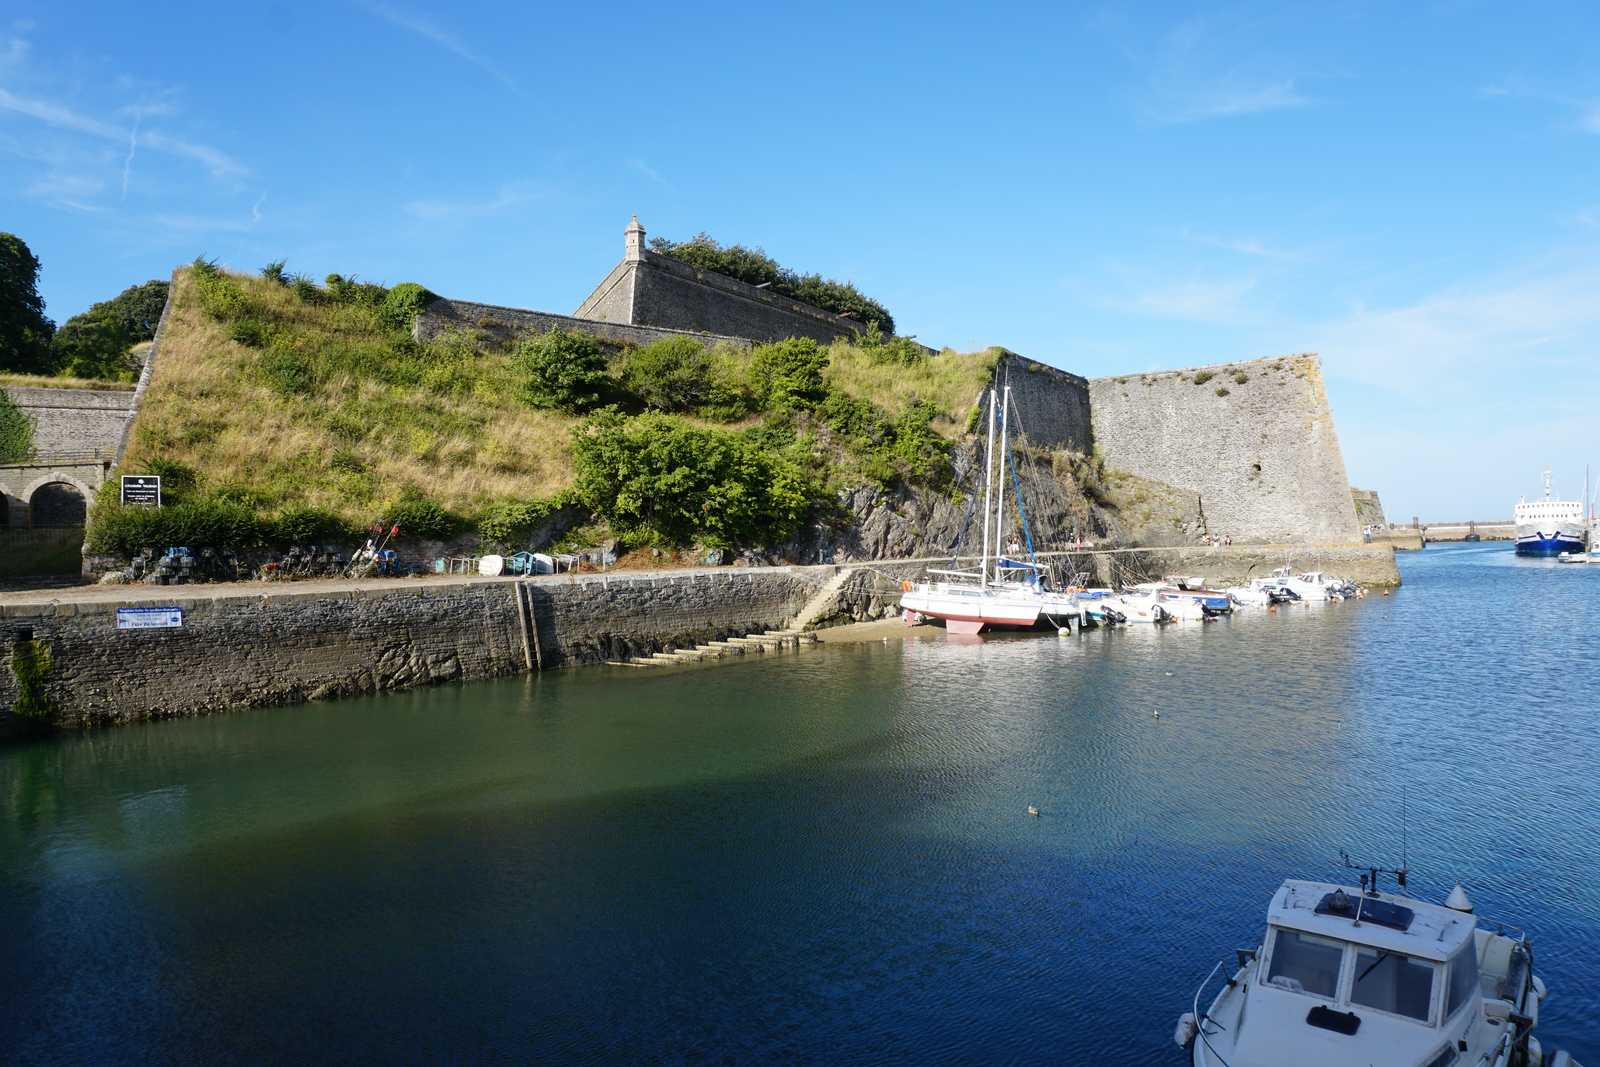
1409,189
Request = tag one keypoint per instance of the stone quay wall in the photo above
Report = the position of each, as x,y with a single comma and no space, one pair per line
503,324
1255,441
304,641
651,289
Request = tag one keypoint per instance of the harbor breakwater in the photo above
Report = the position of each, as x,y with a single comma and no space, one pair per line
240,646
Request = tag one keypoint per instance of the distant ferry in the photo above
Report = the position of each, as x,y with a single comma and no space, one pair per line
1549,527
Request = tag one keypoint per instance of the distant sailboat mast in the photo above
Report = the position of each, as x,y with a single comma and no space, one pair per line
1000,493
988,491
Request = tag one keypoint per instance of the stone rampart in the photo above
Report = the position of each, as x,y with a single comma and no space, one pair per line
503,323
1051,407
651,289
75,420
304,641
1254,441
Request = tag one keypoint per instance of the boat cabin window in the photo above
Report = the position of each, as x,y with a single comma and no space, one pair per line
1392,982
1463,978
1306,963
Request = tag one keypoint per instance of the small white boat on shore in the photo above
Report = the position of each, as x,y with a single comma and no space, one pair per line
1354,976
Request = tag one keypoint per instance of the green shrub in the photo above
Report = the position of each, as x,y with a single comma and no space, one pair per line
1222,390
1203,377
221,297
566,371
302,525
512,522
402,303
16,431
424,519
788,374
123,531
344,290
273,272
657,477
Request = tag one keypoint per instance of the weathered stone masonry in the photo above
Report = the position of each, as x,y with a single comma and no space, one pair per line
1254,440
287,645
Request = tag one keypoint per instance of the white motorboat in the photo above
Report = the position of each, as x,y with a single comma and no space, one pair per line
1248,596
1354,976
1145,607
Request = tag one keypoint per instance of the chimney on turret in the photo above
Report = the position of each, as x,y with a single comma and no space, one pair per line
635,242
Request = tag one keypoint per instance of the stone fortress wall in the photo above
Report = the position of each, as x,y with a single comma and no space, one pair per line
1050,407
503,323
1254,441
650,289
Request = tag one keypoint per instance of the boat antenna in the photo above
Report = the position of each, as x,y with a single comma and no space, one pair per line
1368,869
988,487
1405,864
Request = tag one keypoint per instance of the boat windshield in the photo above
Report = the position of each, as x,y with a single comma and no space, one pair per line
1392,982
1463,978
1306,963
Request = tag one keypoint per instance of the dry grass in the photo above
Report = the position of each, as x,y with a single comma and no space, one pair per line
951,381
381,425
41,381
352,446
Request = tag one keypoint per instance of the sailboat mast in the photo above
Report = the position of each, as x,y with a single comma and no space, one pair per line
988,491
1000,493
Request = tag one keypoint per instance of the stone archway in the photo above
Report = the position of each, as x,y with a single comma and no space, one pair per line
58,504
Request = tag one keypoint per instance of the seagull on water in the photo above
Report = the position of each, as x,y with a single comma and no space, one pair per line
1032,810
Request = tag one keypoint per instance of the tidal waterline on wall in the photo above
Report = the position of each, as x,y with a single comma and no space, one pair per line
821,858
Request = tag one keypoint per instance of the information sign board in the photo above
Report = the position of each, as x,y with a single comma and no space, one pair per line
141,489
148,618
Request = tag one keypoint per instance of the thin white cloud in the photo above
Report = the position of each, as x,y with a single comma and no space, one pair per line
1246,247
127,164
639,165
255,208
65,118
199,224
58,116
441,38
1463,339
510,196
1228,97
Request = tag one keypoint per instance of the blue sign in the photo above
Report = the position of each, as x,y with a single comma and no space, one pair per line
148,618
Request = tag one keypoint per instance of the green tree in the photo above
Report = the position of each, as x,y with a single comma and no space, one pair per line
755,267
659,477
566,371
25,332
16,431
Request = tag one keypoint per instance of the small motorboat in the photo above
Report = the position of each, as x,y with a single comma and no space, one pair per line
1353,976
1142,607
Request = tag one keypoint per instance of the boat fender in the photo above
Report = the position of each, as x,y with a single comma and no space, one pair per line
1183,1036
1538,987
1535,1052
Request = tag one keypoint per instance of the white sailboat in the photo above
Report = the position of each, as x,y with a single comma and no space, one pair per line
1003,592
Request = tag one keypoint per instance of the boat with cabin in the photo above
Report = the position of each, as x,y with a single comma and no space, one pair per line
1549,527
1349,975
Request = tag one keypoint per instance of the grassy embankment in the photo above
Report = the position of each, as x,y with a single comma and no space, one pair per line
303,411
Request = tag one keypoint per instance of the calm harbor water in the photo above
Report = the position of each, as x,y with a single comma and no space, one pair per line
820,858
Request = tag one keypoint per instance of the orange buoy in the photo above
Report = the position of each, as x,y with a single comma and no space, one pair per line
905,587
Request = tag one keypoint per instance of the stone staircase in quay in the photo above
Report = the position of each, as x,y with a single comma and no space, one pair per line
770,641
